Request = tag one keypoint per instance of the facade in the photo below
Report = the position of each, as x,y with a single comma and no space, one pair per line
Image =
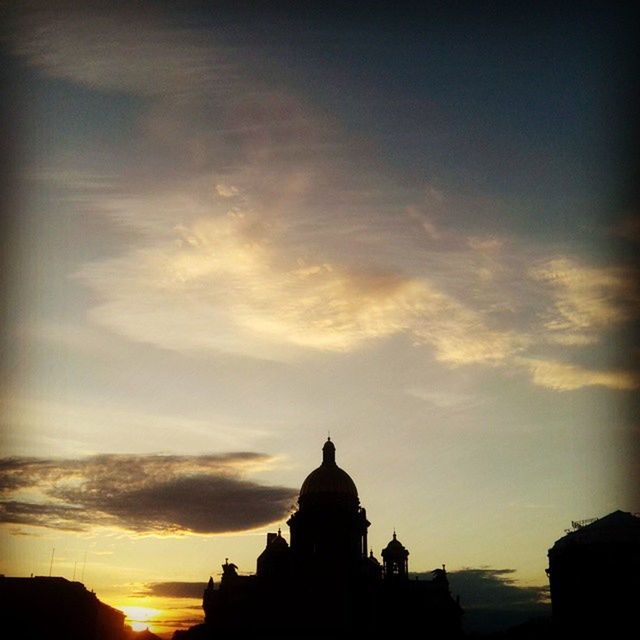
326,580
594,577
44,607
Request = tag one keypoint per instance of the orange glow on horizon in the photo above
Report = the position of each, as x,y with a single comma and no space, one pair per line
161,615
141,618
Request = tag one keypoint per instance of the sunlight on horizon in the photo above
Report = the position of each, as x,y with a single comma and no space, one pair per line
140,618
161,615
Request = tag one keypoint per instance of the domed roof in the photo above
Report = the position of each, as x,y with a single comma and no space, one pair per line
278,542
275,543
394,548
329,478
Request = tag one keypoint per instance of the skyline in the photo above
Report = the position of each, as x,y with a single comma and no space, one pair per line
233,231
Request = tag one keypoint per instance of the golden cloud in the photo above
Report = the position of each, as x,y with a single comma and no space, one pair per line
266,236
223,282
586,298
568,377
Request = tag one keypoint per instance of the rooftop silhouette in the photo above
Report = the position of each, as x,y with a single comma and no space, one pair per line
594,576
54,607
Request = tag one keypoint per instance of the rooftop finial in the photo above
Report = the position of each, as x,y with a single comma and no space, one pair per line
329,452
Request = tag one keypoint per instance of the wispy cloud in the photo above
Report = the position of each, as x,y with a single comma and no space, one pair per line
586,298
266,283
450,401
220,284
261,229
158,494
134,49
228,282
562,376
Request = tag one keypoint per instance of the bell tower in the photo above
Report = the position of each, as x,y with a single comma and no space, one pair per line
395,560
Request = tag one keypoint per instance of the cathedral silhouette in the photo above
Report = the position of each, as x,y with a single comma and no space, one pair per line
326,580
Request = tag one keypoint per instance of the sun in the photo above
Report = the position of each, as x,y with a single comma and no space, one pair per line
139,617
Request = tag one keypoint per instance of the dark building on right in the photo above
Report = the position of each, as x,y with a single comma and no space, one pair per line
594,577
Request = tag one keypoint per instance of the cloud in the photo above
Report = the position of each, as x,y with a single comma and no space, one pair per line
264,284
230,282
450,401
134,49
174,589
489,244
493,600
261,228
586,298
221,285
460,335
489,587
567,377
260,277
226,190
144,494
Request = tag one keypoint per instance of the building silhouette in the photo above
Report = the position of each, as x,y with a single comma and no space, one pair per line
594,577
45,607
327,580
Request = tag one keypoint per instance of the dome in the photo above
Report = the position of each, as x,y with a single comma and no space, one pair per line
395,548
329,478
278,543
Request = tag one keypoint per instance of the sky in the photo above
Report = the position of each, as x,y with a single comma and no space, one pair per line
229,232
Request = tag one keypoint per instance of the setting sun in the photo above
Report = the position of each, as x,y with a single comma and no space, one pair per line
139,617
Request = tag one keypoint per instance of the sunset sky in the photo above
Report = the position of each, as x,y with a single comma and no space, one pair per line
231,232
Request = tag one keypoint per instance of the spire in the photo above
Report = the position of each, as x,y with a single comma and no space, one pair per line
328,453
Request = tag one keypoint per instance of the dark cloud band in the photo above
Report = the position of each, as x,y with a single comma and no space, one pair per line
145,494
493,600
174,589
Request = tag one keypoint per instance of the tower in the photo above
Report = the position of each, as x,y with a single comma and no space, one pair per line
274,562
395,560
